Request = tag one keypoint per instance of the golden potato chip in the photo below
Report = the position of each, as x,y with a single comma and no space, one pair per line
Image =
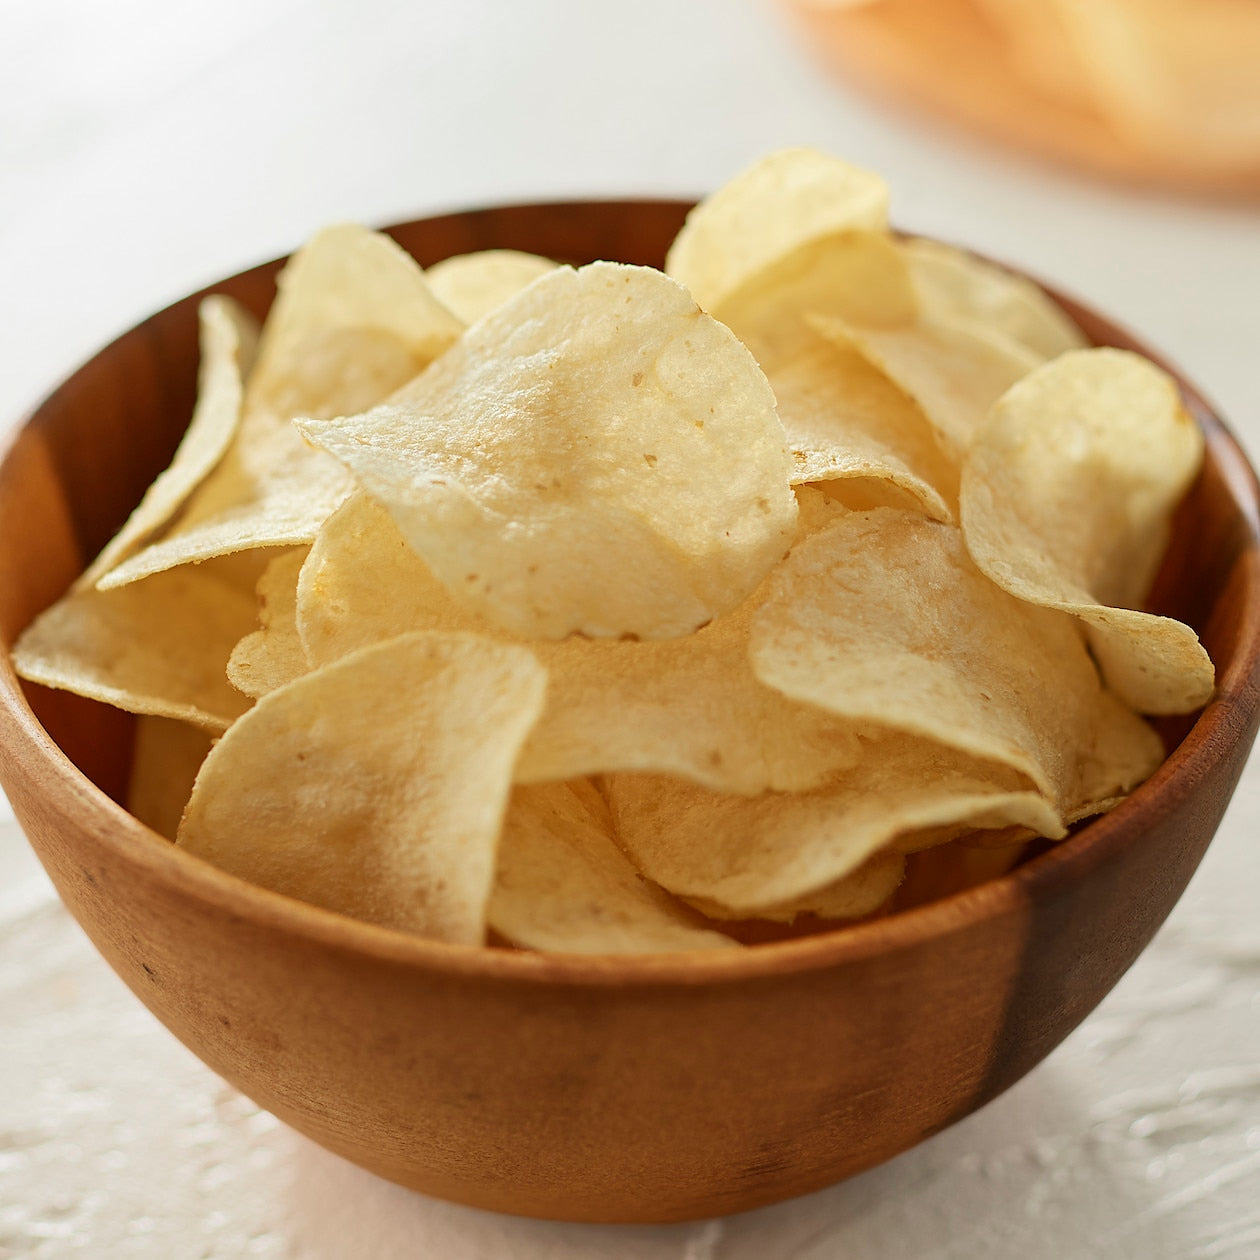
375,786
882,618
596,456
362,583
272,656
165,759
562,884
952,282
689,706
859,277
846,421
473,285
858,894
229,336
160,646
755,853
353,320
784,201
954,369
1066,500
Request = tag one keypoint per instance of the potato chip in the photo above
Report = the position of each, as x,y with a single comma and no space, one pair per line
953,368
273,656
473,285
375,786
362,583
690,706
952,282
159,646
1066,500
756,853
858,894
165,758
596,456
353,320
786,200
882,618
562,884
846,421
859,277
229,336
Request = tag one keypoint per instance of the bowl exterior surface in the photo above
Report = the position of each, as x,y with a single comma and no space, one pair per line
647,1089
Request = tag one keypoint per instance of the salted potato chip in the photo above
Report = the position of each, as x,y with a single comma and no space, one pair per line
845,421
952,282
883,618
273,655
858,277
229,336
595,456
376,786
953,368
353,320
689,706
1066,500
786,200
473,285
562,884
755,853
160,646
165,758
362,583
858,894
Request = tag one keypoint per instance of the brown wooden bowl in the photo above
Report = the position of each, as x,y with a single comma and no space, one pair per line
628,1089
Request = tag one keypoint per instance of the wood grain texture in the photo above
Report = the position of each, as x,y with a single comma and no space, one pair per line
629,1089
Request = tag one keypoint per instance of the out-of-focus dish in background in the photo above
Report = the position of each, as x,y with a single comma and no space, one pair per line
1158,91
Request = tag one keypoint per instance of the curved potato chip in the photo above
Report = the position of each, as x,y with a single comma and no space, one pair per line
846,421
229,336
753,853
785,200
164,762
353,320
362,583
562,884
473,285
954,369
859,893
270,657
883,618
377,786
160,646
347,277
952,282
689,706
598,456
1066,500
859,277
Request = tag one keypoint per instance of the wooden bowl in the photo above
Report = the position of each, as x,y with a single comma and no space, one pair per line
651,1088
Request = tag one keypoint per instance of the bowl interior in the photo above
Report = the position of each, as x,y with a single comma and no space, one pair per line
86,455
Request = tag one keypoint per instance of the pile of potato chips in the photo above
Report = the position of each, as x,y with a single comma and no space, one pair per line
602,610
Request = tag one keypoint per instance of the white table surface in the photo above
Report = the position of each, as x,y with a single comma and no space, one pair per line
148,147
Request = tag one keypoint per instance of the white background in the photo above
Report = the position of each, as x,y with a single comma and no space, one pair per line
148,147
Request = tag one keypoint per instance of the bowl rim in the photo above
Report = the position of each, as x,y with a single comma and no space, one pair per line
1224,718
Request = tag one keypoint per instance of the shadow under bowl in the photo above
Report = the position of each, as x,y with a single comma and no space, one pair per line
652,1088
